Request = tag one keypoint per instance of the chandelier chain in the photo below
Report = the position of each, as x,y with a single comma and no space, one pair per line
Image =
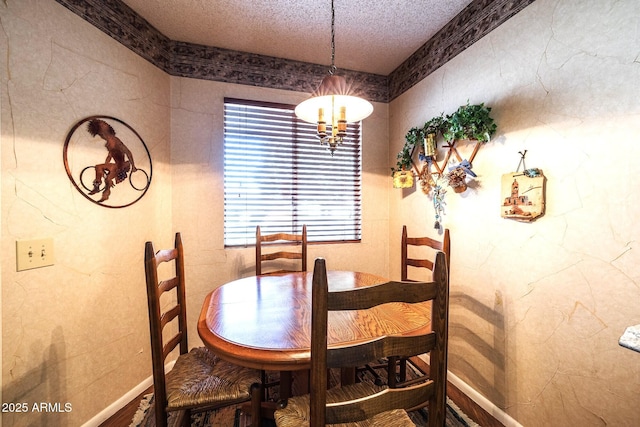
333,37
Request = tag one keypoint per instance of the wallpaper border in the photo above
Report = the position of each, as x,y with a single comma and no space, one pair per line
120,22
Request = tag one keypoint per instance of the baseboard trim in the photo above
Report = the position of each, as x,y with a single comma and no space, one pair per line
472,403
110,410
482,401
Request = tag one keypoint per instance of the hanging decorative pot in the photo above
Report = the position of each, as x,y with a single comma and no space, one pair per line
461,188
403,179
430,145
456,179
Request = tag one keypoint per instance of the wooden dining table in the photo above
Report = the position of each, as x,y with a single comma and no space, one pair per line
264,322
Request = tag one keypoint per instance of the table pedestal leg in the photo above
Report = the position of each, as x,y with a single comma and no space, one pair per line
286,381
347,376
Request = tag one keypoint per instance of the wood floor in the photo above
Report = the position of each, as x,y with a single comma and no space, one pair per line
468,406
123,417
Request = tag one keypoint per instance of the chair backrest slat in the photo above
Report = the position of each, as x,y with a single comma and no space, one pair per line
422,263
386,400
360,354
425,241
171,344
277,239
363,298
280,236
165,255
169,315
431,391
169,284
281,254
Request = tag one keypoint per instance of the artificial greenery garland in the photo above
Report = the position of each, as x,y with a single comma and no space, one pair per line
467,122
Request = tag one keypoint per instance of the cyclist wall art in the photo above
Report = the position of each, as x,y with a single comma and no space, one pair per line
107,161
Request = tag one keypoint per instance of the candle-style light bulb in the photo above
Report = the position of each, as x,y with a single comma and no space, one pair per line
342,122
322,125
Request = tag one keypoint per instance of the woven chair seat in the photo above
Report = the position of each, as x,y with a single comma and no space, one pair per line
200,378
296,413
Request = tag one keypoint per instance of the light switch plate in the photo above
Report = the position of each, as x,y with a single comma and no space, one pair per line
34,253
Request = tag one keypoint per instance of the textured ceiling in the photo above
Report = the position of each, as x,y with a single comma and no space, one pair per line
373,36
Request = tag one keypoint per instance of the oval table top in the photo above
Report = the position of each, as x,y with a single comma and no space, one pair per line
264,322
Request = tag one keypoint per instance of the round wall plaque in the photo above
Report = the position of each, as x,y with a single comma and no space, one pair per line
107,161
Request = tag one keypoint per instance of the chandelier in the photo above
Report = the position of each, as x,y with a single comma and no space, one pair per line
332,105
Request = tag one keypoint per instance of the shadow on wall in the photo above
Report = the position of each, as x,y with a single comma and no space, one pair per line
241,267
38,397
478,360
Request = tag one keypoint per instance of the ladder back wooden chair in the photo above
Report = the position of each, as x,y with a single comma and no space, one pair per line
411,261
425,262
263,241
365,403
396,370
199,380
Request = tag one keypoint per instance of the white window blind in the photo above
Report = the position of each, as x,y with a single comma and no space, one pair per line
278,176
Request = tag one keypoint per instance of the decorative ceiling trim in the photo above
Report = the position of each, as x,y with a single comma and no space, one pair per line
124,25
477,20
121,23
230,66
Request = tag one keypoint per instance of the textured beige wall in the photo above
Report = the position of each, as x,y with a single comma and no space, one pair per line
75,332
561,77
537,308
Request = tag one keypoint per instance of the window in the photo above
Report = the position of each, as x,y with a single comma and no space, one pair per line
278,176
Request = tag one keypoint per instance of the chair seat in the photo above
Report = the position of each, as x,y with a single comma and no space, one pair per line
200,378
296,413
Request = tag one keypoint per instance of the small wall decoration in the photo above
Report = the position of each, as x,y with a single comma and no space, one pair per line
403,179
523,193
469,126
107,161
